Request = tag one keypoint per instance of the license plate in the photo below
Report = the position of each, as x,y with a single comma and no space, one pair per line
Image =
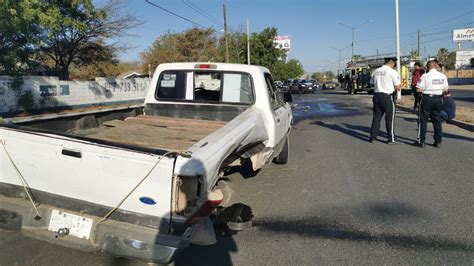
78,226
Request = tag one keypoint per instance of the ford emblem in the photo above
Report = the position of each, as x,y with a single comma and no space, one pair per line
147,200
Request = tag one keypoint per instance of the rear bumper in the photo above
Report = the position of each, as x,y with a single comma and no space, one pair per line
118,238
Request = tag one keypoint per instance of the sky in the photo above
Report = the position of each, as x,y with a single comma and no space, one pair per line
313,25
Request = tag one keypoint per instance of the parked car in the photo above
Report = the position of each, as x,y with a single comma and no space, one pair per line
330,85
142,182
316,84
302,86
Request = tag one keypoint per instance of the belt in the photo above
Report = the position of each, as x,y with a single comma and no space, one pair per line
431,95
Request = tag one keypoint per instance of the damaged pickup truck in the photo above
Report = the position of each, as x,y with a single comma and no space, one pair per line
141,183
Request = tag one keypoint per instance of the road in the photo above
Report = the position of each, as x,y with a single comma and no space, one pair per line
463,95
340,200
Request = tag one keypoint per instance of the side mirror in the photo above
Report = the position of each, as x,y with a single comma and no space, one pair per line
287,97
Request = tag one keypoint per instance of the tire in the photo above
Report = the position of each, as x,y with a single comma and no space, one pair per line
284,155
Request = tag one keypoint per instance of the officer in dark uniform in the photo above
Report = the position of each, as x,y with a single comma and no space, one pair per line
385,80
432,86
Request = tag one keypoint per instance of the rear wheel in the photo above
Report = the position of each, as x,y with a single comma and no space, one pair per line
284,155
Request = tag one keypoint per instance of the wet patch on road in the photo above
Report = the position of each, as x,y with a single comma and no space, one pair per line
307,108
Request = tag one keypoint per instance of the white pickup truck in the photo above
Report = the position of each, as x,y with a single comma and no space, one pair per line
142,182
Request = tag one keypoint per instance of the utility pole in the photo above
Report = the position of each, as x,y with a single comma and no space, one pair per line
248,43
353,34
418,45
339,57
397,30
352,56
225,35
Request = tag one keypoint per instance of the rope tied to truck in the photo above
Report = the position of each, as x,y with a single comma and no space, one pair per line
132,190
23,181
186,154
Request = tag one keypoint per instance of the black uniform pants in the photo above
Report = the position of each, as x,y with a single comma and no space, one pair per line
430,107
383,104
417,96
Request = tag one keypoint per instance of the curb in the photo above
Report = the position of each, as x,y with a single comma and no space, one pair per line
461,124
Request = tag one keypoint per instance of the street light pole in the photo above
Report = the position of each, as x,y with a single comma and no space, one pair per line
397,30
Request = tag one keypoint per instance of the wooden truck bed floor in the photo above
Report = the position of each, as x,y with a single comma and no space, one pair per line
167,133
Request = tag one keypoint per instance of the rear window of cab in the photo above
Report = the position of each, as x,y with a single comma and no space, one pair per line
205,86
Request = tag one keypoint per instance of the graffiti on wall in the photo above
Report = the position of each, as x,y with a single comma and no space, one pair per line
49,92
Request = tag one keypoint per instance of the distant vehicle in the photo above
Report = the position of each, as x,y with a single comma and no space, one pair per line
357,74
283,86
302,86
330,85
316,84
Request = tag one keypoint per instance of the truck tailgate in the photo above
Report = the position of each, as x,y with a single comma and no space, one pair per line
86,177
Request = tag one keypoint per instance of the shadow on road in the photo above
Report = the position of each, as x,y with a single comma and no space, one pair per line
383,213
359,132
217,254
347,131
445,135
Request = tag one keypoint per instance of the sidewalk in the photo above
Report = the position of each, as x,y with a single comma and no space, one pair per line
469,87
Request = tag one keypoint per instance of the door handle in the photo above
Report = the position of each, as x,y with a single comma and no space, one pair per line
71,153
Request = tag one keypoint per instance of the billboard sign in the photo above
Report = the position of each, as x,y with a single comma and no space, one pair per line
463,35
283,43
463,59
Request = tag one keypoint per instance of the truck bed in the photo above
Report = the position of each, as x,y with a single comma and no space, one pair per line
168,133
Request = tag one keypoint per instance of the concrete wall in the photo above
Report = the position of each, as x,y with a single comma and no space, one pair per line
51,93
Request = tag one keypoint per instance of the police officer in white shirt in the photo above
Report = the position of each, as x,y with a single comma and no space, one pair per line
432,86
385,80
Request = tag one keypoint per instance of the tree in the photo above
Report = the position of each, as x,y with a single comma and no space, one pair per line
192,45
103,69
448,59
263,49
59,33
75,32
414,54
287,70
19,33
323,76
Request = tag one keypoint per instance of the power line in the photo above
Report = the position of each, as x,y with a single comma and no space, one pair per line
427,27
174,14
447,20
464,24
202,12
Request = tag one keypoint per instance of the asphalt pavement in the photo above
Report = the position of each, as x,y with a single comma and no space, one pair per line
340,200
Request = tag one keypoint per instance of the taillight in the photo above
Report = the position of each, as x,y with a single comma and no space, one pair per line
205,66
214,198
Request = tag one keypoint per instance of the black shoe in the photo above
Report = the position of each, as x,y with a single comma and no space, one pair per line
371,140
437,145
418,144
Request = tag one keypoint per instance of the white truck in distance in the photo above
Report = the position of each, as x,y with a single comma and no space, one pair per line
142,182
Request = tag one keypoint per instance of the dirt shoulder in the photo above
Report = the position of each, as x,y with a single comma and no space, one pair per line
464,114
